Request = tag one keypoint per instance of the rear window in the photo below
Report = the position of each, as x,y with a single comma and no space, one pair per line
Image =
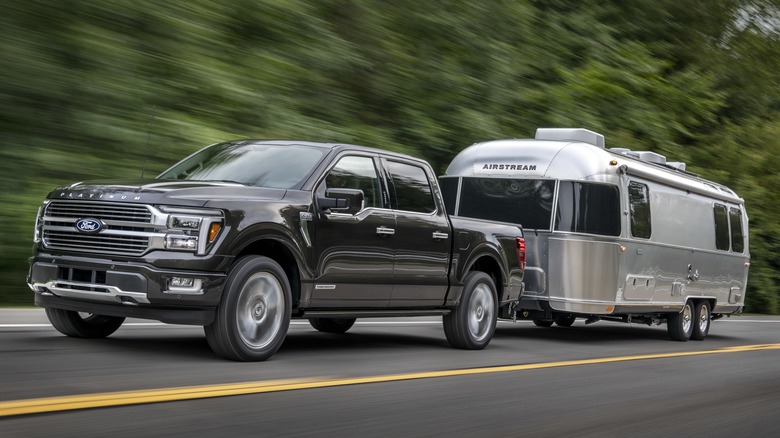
527,202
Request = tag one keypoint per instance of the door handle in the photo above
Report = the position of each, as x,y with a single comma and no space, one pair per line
385,231
692,275
437,235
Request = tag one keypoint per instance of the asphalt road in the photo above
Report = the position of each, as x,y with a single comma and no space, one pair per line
393,377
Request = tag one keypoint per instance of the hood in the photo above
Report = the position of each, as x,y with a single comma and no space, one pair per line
171,192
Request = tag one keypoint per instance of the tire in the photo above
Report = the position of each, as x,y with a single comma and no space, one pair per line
565,319
332,325
472,323
543,323
701,320
80,325
253,315
680,325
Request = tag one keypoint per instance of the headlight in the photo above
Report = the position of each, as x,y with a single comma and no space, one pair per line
191,229
184,222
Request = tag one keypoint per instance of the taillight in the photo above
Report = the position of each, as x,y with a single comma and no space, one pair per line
520,241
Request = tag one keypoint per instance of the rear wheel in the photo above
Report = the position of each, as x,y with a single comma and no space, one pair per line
701,323
565,319
83,325
472,323
332,325
254,314
680,325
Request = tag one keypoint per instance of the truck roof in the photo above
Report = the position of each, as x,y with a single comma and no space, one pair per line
333,146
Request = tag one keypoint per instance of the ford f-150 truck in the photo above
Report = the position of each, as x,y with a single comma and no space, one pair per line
242,236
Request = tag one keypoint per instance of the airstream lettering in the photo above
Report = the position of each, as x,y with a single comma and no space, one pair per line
611,234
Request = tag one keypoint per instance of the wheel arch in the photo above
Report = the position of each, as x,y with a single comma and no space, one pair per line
281,250
489,263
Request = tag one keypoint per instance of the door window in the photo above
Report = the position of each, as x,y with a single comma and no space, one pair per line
412,190
639,206
721,227
353,172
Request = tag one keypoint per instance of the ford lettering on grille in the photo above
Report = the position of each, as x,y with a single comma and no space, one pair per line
89,225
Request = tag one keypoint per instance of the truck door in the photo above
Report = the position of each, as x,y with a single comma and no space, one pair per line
422,237
355,249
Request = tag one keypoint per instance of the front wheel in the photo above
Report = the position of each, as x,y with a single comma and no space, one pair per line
472,323
701,324
253,316
332,325
680,325
79,325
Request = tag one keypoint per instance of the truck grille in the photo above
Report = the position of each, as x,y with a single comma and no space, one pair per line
127,229
99,210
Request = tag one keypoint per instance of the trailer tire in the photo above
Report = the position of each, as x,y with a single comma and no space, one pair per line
680,325
702,319
472,323
73,324
565,319
253,316
543,323
332,325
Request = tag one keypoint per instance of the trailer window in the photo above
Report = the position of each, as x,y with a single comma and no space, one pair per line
411,189
721,227
588,208
639,205
737,239
527,202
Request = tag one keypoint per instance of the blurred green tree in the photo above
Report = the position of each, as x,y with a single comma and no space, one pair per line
106,90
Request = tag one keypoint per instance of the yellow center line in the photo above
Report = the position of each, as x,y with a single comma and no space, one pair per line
126,398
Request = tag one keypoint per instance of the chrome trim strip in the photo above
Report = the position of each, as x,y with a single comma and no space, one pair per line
111,294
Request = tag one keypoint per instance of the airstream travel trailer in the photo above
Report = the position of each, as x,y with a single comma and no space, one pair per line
611,234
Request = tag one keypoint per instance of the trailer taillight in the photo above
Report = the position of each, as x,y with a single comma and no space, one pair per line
521,251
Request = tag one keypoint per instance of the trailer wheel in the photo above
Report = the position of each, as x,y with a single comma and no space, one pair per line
332,325
254,314
680,325
543,323
472,323
701,325
565,319
79,325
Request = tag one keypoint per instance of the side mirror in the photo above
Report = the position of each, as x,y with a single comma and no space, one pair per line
348,201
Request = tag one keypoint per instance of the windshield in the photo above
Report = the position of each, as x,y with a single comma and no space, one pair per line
256,164
527,202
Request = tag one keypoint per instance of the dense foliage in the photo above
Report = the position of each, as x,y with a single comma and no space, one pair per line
96,90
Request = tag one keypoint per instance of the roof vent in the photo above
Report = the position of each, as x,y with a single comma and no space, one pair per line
570,134
651,157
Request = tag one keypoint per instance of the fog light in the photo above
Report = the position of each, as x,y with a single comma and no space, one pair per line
187,243
185,286
182,282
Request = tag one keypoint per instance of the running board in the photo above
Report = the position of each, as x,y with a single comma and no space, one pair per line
372,313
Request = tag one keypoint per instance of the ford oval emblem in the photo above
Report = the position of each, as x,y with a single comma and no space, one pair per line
89,225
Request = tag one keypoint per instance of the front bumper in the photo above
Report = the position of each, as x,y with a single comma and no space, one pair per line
109,287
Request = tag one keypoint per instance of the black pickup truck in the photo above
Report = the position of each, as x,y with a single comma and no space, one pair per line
242,236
